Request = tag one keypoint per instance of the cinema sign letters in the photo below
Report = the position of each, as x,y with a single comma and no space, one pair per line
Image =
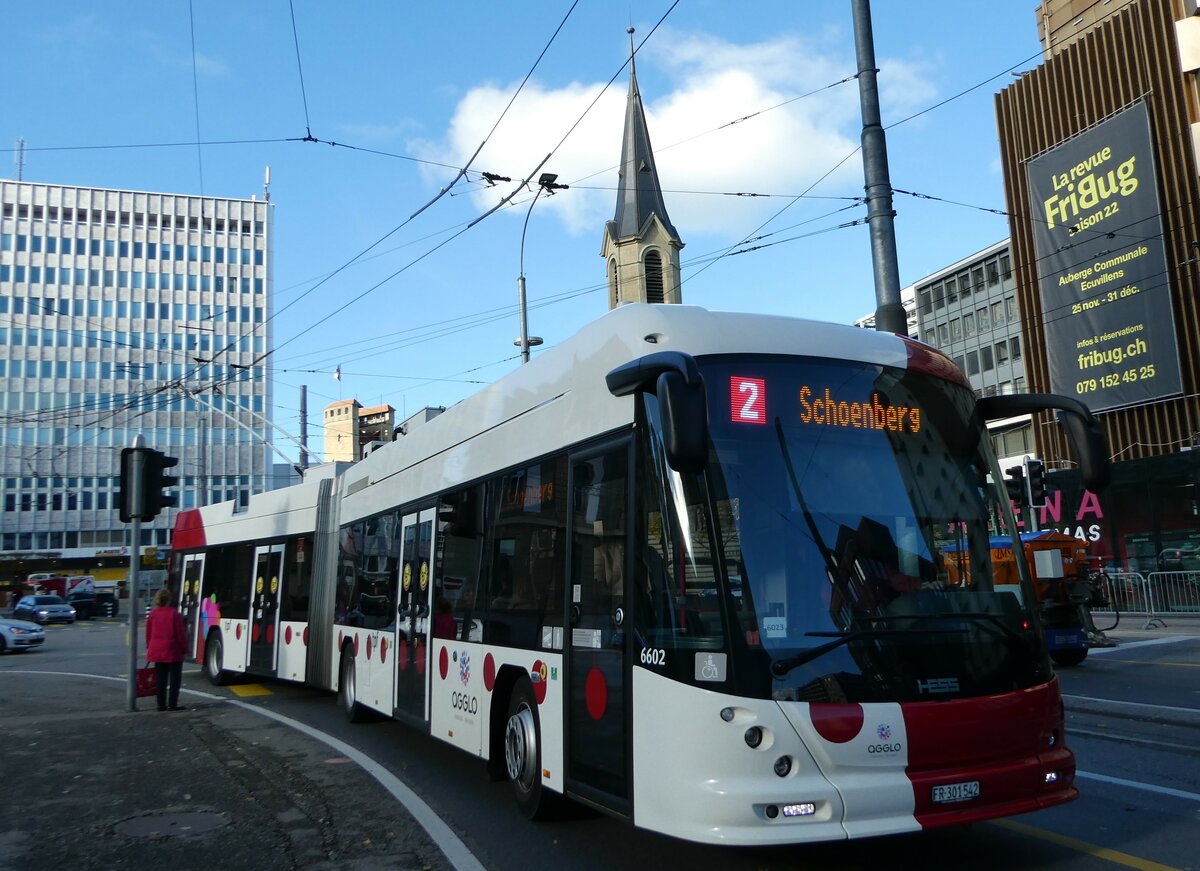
1102,266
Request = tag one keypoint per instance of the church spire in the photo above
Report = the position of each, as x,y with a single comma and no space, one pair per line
641,246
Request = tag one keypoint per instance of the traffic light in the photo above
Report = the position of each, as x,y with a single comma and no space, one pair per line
154,482
1035,481
143,482
131,496
1014,482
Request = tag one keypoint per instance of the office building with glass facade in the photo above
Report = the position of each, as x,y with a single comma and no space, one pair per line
126,313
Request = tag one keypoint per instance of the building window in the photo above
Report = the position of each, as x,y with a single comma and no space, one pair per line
993,272
955,330
1014,347
968,325
1001,352
985,355
972,363
924,303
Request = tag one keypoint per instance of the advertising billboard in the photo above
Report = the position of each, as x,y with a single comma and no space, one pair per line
1102,266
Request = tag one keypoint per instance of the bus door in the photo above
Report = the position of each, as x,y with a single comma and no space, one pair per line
264,613
597,694
189,600
413,613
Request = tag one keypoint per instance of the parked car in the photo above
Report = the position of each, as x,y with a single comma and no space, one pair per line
84,604
1179,559
93,603
20,635
44,609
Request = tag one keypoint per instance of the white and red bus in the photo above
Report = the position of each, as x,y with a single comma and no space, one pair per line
685,567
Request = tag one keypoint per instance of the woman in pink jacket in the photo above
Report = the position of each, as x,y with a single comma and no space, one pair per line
166,645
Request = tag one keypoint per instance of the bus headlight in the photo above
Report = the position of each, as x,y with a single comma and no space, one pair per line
754,737
783,766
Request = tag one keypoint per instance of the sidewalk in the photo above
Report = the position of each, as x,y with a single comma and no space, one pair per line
1132,627
91,785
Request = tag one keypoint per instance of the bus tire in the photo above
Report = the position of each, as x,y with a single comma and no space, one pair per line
1066,658
214,661
523,753
348,689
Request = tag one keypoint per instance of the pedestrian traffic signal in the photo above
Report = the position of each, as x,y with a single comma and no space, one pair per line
154,482
1035,481
143,482
1014,482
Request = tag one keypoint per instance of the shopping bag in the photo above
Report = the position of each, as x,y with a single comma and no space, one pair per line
147,682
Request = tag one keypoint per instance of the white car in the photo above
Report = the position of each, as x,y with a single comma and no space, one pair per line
20,635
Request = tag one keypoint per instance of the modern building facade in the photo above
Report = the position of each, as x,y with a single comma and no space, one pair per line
1099,152
126,313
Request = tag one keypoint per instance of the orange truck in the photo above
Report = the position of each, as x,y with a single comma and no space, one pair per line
1063,582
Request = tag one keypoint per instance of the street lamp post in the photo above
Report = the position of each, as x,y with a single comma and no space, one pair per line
546,182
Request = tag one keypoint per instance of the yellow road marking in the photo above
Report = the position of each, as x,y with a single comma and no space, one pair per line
1099,852
1143,662
250,689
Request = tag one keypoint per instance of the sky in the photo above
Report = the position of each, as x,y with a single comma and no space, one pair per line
408,293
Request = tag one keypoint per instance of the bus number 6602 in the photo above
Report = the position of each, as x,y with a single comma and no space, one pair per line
654,656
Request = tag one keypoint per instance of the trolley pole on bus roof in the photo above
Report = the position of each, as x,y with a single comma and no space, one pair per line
889,311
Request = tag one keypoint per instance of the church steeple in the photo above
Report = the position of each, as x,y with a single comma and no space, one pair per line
641,246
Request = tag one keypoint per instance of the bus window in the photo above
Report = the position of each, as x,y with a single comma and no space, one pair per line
297,579
527,557
676,601
460,523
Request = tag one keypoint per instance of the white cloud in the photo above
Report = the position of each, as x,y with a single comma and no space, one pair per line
712,82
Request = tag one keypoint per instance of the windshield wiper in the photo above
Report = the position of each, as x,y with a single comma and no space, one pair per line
781,667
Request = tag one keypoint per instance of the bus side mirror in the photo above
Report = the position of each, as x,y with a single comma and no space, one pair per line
1083,430
684,413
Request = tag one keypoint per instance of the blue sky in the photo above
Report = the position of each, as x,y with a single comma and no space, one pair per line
409,91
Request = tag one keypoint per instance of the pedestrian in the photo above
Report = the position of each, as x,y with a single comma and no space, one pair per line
166,645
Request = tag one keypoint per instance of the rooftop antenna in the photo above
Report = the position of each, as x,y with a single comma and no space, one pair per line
20,159
267,185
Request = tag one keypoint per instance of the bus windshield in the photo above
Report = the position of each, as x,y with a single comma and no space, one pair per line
853,516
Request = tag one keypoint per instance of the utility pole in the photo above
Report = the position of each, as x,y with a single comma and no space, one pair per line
303,428
889,311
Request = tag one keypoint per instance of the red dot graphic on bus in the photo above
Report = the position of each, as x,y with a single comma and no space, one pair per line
340,636
270,633
596,694
402,652
255,631
237,632
747,399
420,656
368,648
305,637
356,645
383,650
489,672
287,635
836,723
538,675
444,663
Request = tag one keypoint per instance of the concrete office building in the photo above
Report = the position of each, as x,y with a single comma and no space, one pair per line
126,313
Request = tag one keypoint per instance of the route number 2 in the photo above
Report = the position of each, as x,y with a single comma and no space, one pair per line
747,400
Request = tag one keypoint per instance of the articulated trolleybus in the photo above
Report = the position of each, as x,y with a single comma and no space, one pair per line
683,567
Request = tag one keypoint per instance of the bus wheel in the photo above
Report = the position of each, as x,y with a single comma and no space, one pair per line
1069,657
348,690
214,661
523,753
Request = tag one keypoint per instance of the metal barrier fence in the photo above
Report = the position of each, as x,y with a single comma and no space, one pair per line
1153,595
